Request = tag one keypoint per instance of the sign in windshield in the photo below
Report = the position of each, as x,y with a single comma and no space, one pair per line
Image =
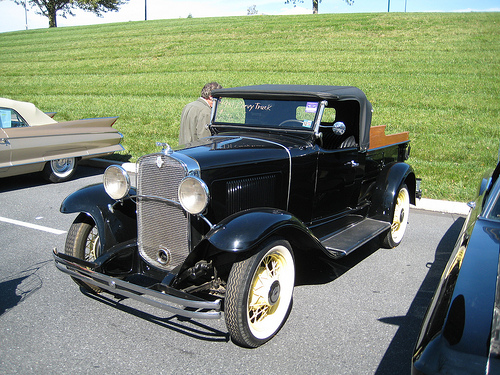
266,113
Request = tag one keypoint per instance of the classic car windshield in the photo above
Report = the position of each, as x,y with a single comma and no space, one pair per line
296,114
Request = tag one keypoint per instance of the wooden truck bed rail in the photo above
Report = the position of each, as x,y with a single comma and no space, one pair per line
378,138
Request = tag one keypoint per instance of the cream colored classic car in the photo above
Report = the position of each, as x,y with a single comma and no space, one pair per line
32,141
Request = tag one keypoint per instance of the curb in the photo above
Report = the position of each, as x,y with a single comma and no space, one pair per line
447,207
425,204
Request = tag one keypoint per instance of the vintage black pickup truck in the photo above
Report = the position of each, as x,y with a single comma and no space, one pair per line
290,171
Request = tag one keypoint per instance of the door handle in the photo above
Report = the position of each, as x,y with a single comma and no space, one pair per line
352,163
4,141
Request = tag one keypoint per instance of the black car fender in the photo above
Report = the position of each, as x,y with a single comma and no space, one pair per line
245,231
115,221
386,188
238,237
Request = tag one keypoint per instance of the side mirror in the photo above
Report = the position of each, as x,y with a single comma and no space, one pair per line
338,128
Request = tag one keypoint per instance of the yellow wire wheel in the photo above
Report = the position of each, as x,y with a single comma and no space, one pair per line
399,218
259,294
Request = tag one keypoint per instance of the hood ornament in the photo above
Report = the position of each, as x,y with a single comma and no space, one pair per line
165,148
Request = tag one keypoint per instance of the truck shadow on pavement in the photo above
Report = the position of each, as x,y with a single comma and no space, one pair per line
175,323
317,268
313,272
397,358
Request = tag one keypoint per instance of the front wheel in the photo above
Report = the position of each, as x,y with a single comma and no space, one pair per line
83,242
59,170
259,294
399,218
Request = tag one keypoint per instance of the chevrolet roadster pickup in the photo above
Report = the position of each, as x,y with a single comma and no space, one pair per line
289,171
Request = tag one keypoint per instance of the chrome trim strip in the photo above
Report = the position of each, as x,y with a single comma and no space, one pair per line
215,102
319,116
192,168
142,294
190,165
153,197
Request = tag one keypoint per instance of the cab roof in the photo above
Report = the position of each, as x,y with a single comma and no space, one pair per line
319,92
308,92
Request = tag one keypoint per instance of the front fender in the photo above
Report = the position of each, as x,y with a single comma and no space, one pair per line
115,221
247,229
387,185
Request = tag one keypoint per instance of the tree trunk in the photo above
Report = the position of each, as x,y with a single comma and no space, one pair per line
51,10
315,6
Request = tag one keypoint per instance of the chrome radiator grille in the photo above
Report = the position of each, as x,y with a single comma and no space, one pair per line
163,235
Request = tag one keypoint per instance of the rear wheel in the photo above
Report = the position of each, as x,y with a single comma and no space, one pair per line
259,294
399,218
59,170
83,242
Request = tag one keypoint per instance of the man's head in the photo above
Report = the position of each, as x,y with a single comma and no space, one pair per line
206,91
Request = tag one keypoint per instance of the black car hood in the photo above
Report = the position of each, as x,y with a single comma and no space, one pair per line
227,150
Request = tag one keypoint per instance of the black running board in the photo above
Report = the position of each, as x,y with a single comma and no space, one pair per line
355,236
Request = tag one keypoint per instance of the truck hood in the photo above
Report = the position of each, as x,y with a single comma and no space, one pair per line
227,150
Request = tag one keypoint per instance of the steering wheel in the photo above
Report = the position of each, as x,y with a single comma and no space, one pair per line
291,120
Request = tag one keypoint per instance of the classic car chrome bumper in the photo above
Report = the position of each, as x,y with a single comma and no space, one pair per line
183,304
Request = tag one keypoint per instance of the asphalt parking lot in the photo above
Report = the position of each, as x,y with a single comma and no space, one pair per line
359,315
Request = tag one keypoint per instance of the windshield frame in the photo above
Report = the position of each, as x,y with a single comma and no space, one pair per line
492,208
309,126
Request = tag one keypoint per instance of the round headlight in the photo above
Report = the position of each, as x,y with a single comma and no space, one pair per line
116,182
193,195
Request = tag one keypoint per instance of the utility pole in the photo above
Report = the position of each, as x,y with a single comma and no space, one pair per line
388,6
145,10
26,14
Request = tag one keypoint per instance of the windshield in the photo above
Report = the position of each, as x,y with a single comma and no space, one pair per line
294,114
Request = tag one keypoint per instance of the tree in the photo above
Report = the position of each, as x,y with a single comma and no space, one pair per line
315,3
49,8
252,10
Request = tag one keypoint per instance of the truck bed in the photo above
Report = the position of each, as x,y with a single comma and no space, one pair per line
378,138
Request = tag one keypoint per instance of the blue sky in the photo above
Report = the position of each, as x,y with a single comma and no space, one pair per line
12,16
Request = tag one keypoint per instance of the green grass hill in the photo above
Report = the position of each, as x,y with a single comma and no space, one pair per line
436,75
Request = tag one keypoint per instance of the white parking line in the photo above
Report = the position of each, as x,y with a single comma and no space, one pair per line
32,226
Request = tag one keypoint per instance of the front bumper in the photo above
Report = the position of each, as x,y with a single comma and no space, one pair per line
159,295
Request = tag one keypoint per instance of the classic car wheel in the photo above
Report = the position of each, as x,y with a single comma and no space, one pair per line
399,218
59,170
83,242
259,294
